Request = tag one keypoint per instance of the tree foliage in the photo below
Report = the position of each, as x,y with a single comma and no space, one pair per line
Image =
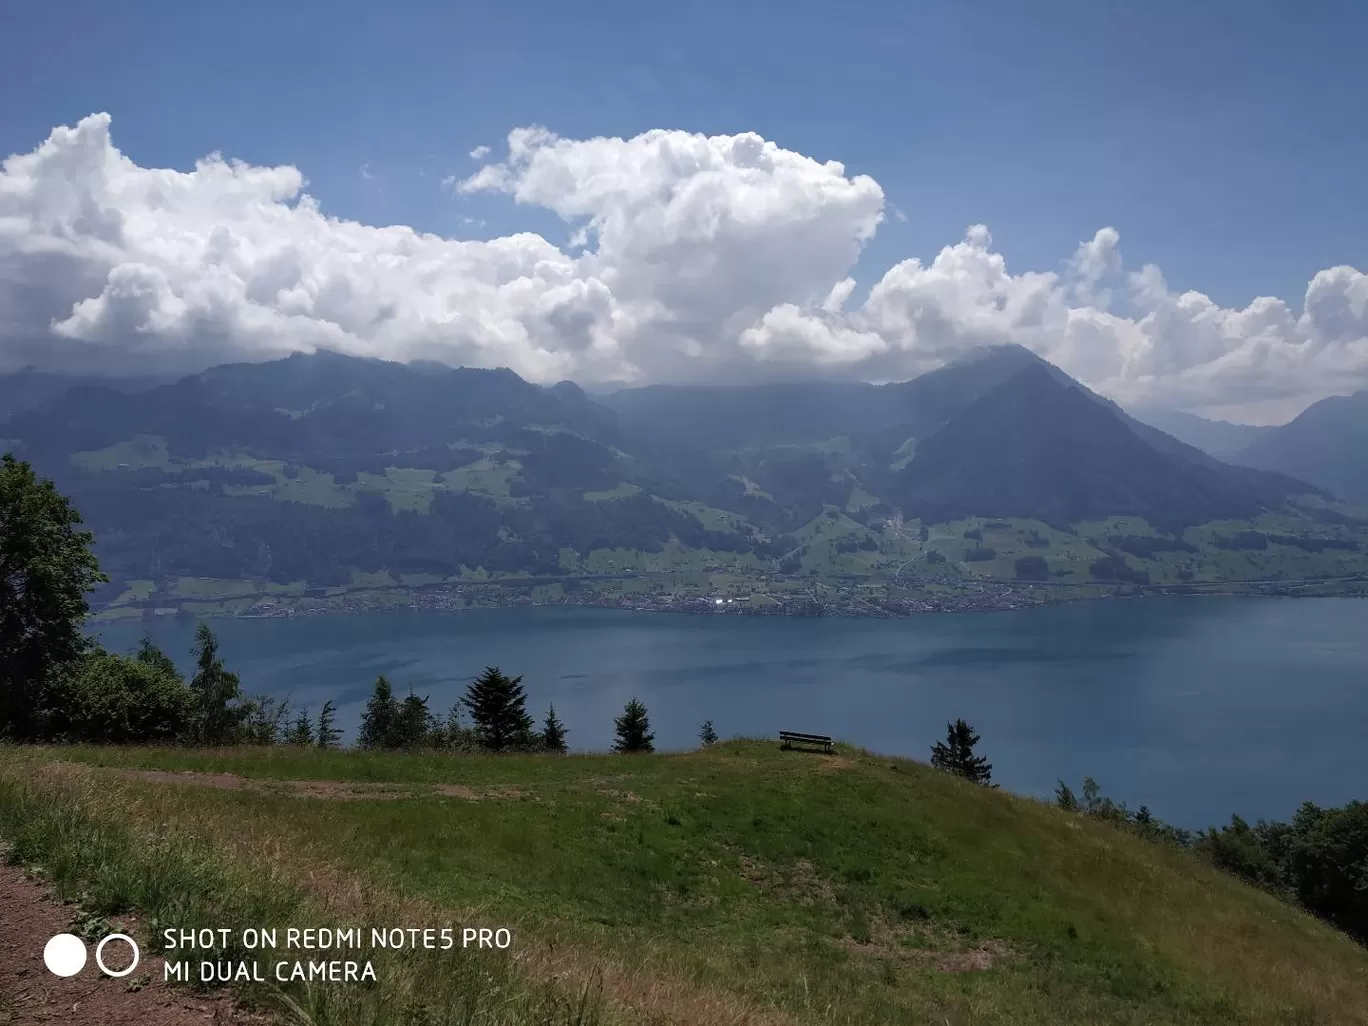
956,754
46,570
707,734
498,706
633,729
553,733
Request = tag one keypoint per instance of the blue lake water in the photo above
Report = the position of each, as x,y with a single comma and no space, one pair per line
1196,707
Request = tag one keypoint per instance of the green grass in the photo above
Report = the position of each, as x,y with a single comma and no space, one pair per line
803,888
142,452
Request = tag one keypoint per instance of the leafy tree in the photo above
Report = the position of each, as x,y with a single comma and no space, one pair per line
327,735
453,734
1032,568
707,735
105,698
956,754
498,706
633,729
46,569
378,721
301,732
153,656
261,720
553,733
219,711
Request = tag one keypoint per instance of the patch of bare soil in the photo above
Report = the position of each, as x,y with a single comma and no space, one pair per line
799,883
336,790
32,996
930,948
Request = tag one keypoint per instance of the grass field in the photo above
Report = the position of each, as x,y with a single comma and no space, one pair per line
738,884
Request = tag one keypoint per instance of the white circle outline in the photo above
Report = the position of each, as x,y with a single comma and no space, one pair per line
99,948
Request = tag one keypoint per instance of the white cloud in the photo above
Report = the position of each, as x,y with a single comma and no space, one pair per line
366,172
479,153
695,257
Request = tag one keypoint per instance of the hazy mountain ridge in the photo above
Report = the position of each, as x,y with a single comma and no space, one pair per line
316,467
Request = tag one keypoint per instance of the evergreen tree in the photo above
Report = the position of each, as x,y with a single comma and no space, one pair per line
413,724
327,735
46,568
301,731
1065,798
553,733
956,754
633,729
378,721
707,735
217,695
498,706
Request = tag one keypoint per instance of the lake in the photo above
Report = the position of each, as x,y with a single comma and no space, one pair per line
1196,707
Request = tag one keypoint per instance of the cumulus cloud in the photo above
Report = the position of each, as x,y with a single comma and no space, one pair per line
692,258
480,152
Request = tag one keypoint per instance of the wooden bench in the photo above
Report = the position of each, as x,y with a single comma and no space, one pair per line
790,738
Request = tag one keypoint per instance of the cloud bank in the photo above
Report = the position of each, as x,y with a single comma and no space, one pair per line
693,258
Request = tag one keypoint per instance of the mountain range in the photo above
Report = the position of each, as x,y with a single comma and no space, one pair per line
320,467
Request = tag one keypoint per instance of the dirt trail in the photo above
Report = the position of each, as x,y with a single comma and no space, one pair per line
337,790
30,995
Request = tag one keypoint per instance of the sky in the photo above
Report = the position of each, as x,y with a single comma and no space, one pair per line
1165,199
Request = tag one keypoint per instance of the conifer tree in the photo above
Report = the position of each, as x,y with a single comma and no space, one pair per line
498,707
327,735
633,729
413,725
707,735
553,733
377,722
301,732
956,754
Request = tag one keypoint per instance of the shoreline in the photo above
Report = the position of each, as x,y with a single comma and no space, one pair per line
976,596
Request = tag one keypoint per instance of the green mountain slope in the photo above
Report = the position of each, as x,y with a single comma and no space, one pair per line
1327,445
735,884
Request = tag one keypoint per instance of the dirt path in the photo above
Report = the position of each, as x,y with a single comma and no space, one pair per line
31,995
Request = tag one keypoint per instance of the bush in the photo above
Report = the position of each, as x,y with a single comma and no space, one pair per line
1032,568
113,699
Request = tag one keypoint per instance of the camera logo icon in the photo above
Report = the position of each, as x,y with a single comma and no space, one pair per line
65,955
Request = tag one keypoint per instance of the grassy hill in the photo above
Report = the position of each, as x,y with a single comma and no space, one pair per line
737,884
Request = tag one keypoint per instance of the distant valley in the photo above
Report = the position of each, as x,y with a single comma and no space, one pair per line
325,481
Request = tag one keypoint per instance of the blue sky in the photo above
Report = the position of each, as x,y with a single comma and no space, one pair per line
1226,141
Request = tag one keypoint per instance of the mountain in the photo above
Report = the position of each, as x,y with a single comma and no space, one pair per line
319,468
1326,445
1219,438
30,388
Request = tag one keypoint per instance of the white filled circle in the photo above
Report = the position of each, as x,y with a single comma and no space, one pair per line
64,955
99,951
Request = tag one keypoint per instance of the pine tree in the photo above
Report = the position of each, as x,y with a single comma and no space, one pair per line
216,693
633,729
327,735
956,754
707,735
377,722
498,706
301,732
553,733
413,725
1065,798
151,655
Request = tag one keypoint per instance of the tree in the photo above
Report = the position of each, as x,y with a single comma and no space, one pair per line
219,712
956,754
260,720
633,729
112,699
707,735
498,707
1065,798
377,722
301,732
327,735
46,569
553,733
413,724
151,655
